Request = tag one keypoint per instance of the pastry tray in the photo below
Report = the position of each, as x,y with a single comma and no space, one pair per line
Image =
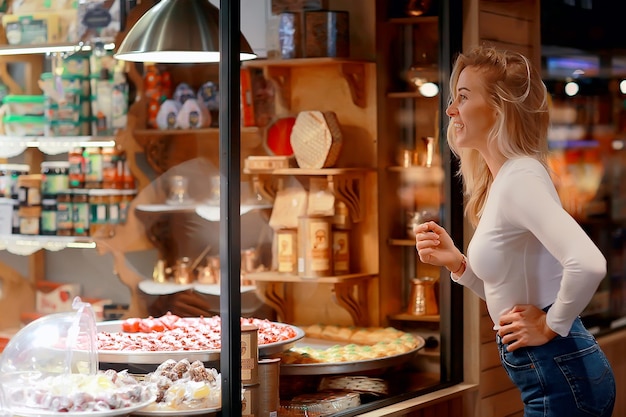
158,357
345,367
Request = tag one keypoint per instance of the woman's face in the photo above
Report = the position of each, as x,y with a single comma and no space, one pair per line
470,115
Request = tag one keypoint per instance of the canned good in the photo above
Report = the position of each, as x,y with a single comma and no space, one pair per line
48,217
29,190
80,212
29,220
64,217
314,246
77,168
54,177
269,383
93,163
341,252
249,355
99,203
9,174
250,401
287,241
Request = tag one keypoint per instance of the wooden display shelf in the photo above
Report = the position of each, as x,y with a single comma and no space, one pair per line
29,244
414,20
350,292
347,184
279,70
435,318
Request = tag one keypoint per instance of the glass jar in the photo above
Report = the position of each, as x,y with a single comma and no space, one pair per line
48,217
77,168
9,174
93,162
54,178
99,201
29,190
64,217
80,212
112,168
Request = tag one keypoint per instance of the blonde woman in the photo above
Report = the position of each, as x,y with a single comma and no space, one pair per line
528,258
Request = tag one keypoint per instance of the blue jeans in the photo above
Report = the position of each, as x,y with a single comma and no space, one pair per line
568,376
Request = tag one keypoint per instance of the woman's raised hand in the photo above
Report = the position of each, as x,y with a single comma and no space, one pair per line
435,246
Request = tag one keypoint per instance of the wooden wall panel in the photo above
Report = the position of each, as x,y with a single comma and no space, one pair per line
497,27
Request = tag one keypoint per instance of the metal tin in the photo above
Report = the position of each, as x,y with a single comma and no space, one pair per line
249,355
269,382
250,401
287,242
314,246
341,252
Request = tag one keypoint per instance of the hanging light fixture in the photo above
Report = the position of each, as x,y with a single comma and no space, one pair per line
177,31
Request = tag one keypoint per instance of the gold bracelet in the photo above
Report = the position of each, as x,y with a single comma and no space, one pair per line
462,266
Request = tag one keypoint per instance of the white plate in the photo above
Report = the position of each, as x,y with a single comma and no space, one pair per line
170,412
33,412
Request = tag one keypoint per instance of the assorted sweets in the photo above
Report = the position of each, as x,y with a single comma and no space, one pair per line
353,344
173,333
181,385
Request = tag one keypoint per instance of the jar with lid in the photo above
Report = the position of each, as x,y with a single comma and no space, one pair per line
93,162
48,217
29,220
77,168
64,217
112,167
54,178
99,202
126,197
29,190
9,173
80,212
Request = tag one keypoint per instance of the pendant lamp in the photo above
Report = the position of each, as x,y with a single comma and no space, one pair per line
177,31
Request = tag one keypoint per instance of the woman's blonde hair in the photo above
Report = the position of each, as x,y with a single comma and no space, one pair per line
515,90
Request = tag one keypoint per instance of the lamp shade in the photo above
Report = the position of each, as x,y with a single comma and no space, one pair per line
177,31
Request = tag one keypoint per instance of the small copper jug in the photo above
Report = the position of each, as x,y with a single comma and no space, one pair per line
423,301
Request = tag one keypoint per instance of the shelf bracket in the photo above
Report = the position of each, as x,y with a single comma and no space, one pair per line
354,73
348,189
282,77
274,295
353,298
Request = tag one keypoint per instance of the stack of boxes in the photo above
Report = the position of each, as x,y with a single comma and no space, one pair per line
307,29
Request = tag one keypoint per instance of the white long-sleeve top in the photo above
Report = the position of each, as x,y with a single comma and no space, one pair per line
527,249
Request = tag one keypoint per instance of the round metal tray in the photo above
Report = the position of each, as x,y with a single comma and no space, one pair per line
158,357
344,367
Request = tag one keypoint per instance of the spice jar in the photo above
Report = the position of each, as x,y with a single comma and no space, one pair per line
9,173
29,220
112,168
287,241
54,178
64,217
341,252
80,212
93,162
314,246
48,217
77,168
99,201
29,190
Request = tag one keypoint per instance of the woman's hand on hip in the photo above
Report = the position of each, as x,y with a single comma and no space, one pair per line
435,246
524,325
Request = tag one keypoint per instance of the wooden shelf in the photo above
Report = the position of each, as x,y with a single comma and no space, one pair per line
347,184
29,244
11,146
350,292
210,132
412,317
279,70
282,277
414,20
409,94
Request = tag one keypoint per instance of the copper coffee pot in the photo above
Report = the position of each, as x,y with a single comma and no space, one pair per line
423,301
